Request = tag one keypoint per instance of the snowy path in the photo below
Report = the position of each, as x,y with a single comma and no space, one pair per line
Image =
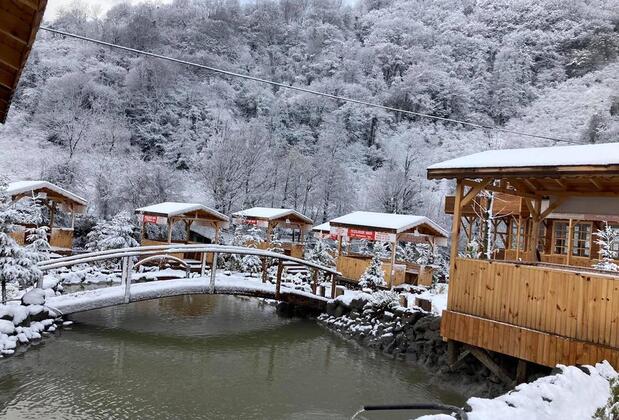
234,284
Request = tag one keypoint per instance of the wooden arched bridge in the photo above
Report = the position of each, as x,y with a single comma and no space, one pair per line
128,292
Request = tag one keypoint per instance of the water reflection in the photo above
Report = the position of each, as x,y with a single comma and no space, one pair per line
203,357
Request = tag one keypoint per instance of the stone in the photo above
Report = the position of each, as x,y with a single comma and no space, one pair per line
34,297
6,327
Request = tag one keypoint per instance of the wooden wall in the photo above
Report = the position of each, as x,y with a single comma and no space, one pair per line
62,238
524,343
572,304
353,268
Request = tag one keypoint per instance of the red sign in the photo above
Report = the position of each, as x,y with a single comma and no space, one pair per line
361,234
149,219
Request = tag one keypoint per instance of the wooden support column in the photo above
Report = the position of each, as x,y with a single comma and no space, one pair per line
202,264
570,241
455,228
521,371
534,237
278,284
170,224
217,233
314,280
264,269
518,236
486,360
394,247
332,286
188,230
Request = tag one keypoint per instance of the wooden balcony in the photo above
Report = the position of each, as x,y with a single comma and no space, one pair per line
541,313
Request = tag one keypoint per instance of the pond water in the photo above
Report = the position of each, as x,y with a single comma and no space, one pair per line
215,357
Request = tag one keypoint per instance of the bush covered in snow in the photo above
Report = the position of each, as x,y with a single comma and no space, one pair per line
374,276
112,234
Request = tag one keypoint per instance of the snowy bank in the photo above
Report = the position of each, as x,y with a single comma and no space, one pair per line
570,394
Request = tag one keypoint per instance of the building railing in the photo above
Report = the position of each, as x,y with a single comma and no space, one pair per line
582,304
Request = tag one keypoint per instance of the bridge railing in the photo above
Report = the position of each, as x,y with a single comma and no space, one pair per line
127,255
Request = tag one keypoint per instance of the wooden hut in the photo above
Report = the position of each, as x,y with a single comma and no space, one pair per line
19,24
293,224
541,307
323,231
390,228
190,216
56,200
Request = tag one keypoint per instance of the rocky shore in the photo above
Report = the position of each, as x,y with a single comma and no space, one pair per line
26,322
381,324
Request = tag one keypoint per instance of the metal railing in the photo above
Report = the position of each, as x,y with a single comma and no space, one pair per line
154,251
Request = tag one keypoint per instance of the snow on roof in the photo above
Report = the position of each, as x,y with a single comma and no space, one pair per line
19,187
590,154
397,222
324,227
269,213
170,208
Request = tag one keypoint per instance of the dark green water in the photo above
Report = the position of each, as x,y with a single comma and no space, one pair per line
210,357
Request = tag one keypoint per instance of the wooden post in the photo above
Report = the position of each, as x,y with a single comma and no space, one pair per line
534,238
202,264
127,268
142,229
170,224
518,227
213,272
314,280
394,247
264,269
278,284
3,286
72,218
521,371
188,230
332,286
217,233
570,234
455,228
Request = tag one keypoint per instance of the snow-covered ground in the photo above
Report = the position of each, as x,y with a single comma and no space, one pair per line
570,394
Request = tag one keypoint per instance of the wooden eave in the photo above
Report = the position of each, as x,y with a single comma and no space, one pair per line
19,24
524,172
195,215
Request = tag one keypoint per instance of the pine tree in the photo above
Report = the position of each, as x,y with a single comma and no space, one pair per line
374,276
17,264
113,234
606,238
251,264
321,254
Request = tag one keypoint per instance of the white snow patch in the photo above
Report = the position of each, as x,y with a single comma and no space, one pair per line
34,297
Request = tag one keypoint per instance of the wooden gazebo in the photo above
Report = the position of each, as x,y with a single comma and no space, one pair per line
168,214
271,219
55,199
389,228
19,23
549,305
323,231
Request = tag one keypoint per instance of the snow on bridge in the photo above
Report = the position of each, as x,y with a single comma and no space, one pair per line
235,284
129,292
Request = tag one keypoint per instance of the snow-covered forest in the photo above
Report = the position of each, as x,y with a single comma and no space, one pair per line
127,131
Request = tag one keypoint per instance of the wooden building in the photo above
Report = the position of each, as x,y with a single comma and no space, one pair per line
389,228
56,200
184,218
289,225
548,305
323,231
19,24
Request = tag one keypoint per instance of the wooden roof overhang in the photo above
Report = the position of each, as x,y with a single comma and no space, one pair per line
19,24
535,182
423,229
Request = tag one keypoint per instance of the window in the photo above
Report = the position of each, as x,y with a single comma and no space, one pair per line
581,245
560,237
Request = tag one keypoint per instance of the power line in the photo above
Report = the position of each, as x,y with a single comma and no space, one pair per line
301,89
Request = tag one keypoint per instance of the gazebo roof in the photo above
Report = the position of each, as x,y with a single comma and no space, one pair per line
323,227
172,209
268,213
579,160
388,222
18,28
55,193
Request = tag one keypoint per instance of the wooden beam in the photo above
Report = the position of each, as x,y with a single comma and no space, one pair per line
553,205
501,189
278,284
534,237
570,233
476,189
455,227
521,371
487,361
